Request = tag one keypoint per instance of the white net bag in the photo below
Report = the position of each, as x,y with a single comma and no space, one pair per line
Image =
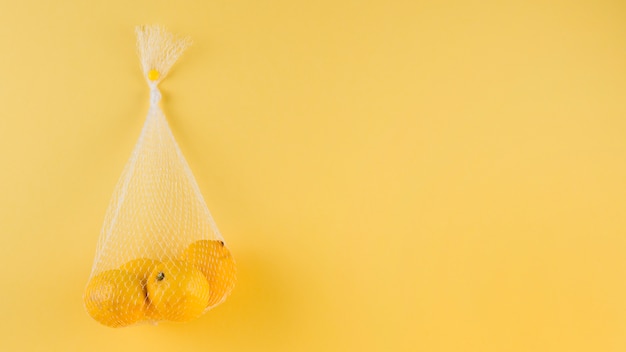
160,255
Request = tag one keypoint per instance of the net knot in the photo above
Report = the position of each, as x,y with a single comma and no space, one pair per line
155,95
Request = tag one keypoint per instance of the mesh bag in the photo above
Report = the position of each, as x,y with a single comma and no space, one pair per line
160,255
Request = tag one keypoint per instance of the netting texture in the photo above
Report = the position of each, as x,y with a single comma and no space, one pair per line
160,255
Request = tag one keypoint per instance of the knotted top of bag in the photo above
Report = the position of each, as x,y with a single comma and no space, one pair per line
158,51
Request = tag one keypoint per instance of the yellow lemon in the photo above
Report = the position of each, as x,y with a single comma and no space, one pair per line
142,267
214,260
178,291
115,298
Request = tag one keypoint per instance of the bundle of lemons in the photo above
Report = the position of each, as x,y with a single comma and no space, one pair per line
160,256
175,290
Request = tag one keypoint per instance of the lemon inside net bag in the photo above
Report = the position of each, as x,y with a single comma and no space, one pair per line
160,256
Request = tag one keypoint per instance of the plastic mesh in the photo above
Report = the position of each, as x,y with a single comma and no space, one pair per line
160,255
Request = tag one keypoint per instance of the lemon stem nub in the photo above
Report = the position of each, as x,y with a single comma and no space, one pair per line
160,276
153,75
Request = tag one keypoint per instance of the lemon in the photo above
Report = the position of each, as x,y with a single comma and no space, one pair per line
142,267
177,291
214,260
115,298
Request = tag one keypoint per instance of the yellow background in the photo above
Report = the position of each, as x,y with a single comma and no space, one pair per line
390,175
